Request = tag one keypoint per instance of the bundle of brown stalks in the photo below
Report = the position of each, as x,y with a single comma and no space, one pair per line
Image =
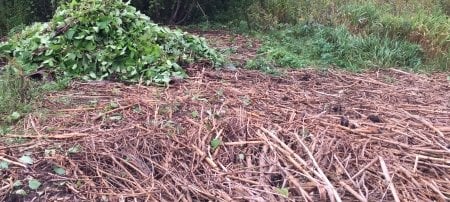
240,136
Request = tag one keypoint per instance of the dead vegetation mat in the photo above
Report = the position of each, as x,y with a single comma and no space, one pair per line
239,136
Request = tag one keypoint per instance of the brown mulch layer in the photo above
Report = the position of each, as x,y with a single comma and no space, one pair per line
239,136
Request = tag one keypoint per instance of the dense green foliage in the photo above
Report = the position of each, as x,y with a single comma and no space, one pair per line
353,34
25,12
96,39
431,30
318,45
17,13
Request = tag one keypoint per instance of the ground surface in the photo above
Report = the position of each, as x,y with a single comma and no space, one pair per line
239,135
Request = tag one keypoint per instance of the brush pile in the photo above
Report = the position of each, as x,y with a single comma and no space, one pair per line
106,39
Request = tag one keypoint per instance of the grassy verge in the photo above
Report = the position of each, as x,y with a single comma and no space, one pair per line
351,34
317,45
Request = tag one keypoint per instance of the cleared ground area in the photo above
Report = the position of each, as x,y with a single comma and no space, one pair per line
238,135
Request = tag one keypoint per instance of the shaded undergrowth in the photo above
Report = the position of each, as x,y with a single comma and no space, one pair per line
20,93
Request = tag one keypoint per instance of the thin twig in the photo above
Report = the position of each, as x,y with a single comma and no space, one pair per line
388,179
353,192
13,162
112,111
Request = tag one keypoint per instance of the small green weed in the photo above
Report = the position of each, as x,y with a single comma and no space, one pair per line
283,192
58,170
4,130
112,105
34,184
4,165
215,143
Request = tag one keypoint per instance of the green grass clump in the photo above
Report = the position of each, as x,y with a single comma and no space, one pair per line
316,45
351,34
107,39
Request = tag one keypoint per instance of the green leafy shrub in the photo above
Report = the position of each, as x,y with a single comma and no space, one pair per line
107,39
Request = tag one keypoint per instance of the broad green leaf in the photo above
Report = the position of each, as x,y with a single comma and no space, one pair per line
165,79
80,37
90,46
283,191
34,184
93,75
70,34
26,159
6,47
4,165
59,170
102,25
50,62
